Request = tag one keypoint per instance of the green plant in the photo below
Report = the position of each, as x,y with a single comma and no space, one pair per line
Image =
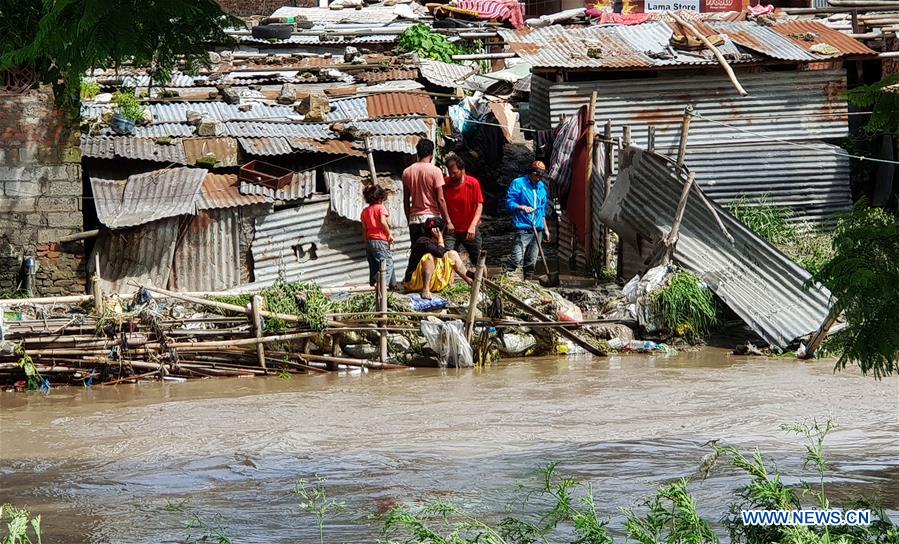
89,89
31,374
671,519
686,306
421,40
763,218
863,277
884,105
18,523
809,249
210,530
314,499
128,106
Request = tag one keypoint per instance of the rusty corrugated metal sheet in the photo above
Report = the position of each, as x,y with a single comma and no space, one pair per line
223,191
762,39
170,130
395,144
310,243
331,147
258,129
223,149
97,147
560,47
141,255
265,146
144,198
759,283
208,254
302,185
149,150
374,15
345,183
821,34
396,104
380,76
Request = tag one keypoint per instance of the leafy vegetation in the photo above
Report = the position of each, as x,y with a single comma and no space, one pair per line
428,45
314,500
21,526
66,38
89,90
883,105
686,306
863,277
128,106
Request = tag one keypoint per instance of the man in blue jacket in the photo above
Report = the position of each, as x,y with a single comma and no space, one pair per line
527,202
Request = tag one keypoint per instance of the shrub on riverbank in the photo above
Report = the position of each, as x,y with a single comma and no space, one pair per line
686,306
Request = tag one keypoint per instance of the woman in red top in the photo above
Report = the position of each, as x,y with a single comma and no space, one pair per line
376,233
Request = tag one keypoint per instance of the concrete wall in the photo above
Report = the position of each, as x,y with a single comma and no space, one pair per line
40,194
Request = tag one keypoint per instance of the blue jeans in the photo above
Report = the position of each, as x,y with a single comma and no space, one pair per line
524,247
377,251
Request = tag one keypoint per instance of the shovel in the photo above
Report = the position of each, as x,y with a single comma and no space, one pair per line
550,279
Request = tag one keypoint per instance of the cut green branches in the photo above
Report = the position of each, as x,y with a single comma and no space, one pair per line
428,45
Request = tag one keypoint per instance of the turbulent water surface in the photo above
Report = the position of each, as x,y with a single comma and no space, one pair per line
101,465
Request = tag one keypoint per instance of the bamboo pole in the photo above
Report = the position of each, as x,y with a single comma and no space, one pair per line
479,274
721,60
382,308
588,183
651,138
255,308
371,161
347,361
607,188
684,135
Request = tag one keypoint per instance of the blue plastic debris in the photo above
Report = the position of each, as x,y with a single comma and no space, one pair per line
425,305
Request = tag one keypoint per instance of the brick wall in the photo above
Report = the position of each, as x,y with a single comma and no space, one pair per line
246,8
40,194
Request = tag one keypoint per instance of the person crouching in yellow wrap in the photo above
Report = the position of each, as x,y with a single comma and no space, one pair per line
436,263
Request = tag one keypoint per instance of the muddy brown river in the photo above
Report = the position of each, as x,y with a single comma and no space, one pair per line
101,464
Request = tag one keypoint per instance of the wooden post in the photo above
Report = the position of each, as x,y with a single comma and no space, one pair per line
684,134
96,290
255,307
588,184
371,161
651,138
815,341
382,308
607,187
705,41
626,136
475,294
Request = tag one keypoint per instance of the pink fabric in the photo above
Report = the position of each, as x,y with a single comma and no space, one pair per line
608,18
761,10
504,10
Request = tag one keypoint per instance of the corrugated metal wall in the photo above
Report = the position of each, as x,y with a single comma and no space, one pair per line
310,243
141,255
208,256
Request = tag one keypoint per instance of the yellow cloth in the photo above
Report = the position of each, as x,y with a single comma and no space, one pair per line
442,278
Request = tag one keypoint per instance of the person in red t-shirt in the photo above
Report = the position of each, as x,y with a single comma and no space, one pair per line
376,233
464,203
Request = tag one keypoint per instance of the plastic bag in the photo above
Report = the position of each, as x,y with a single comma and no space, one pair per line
427,304
516,344
568,311
447,339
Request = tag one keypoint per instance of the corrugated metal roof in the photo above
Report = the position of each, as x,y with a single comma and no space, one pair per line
656,38
248,77
411,125
265,146
223,149
307,243
394,104
399,86
331,147
345,183
223,191
760,284
178,80
148,149
300,39
97,147
589,47
396,144
444,74
144,198
258,129
171,130
762,39
302,185
348,108
789,105
369,14
821,34
176,112
141,255
208,254
380,76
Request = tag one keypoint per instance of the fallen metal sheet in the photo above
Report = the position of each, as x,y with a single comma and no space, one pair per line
758,282
310,243
208,254
445,74
401,85
345,183
141,255
223,149
144,198
223,191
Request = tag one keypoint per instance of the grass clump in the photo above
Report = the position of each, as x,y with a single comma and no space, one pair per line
89,90
768,221
686,306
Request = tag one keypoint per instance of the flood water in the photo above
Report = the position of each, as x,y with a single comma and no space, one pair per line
101,465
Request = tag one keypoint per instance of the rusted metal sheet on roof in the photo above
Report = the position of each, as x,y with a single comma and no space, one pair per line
449,75
144,198
208,254
559,47
97,147
176,112
141,255
656,37
223,149
301,186
397,104
758,282
369,14
170,130
380,76
786,105
762,39
258,129
331,147
223,191
807,34
265,146
310,243
345,183
149,150
395,144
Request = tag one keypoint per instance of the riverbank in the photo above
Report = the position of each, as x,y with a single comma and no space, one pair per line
102,464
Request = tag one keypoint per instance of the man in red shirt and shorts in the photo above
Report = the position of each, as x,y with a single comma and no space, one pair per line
464,203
